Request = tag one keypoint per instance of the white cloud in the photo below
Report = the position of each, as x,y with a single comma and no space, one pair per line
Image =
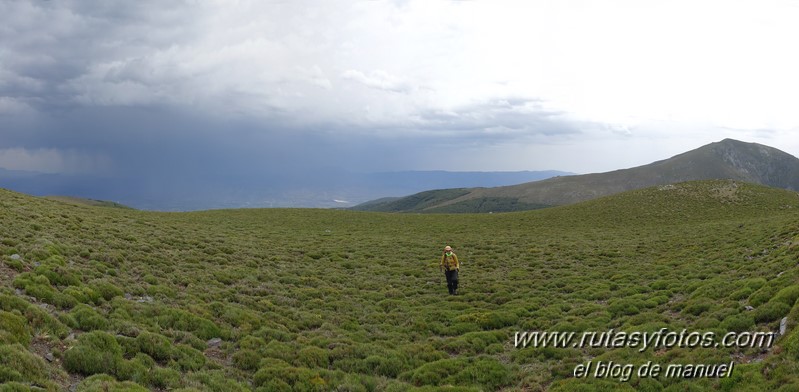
678,72
725,62
378,79
314,76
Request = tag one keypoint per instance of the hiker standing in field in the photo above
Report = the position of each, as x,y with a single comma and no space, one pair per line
449,264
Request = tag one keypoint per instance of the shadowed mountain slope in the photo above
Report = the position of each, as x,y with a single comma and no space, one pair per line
727,159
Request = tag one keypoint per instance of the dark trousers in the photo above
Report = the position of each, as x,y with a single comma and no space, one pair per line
452,281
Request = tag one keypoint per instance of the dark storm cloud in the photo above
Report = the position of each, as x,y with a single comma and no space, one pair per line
166,144
84,78
47,44
153,89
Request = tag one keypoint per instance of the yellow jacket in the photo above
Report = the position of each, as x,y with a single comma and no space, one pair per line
449,262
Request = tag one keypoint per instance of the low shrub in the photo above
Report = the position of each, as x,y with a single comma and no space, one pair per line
164,378
9,375
64,301
188,338
42,321
36,286
487,372
85,294
280,350
11,302
434,373
738,323
312,357
185,321
20,364
187,358
269,334
14,264
697,307
155,345
787,295
88,319
57,275
771,311
275,386
96,352
14,329
136,369
791,344
215,380
246,359
104,383
625,307
490,320
762,295
250,342
299,379
390,366
55,260
740,294
42,292
106,289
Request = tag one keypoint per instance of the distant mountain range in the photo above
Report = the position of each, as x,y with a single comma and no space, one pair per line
727,159
320,189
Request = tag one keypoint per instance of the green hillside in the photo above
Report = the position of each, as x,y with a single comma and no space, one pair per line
98,299
726,159
86,202
414,203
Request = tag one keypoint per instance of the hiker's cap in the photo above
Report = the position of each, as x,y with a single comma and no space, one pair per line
447,248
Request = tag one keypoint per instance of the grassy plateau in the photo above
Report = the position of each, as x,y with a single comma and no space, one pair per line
97,298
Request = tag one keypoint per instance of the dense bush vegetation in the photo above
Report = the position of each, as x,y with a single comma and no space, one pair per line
100,298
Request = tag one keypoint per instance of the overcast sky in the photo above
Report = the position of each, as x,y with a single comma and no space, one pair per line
196,87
